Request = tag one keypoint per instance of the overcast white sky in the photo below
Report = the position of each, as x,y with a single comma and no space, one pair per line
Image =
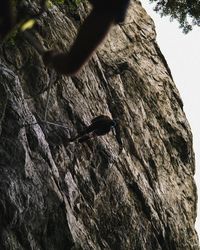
182,53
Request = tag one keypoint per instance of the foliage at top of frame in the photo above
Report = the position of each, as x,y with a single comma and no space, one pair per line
186,12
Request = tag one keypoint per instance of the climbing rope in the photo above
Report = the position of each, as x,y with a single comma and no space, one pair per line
51,80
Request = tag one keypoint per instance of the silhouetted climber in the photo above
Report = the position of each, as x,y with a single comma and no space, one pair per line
100,125
104,14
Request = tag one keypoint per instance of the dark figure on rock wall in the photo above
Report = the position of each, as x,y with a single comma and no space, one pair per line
104,14
100,125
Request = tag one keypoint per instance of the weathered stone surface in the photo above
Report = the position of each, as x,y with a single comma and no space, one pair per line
55,195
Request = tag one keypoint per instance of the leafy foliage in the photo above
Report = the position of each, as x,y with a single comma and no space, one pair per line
187,12
58,1
28,24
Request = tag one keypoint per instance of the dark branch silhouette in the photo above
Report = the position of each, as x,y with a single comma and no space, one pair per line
104,14
7,18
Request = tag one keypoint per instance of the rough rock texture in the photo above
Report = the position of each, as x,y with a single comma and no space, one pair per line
59,196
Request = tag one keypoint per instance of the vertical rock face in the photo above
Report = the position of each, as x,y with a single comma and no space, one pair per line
59,196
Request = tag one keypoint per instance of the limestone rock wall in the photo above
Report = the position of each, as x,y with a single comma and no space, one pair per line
59,196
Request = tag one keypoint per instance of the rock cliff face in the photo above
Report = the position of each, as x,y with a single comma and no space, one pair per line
59,196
